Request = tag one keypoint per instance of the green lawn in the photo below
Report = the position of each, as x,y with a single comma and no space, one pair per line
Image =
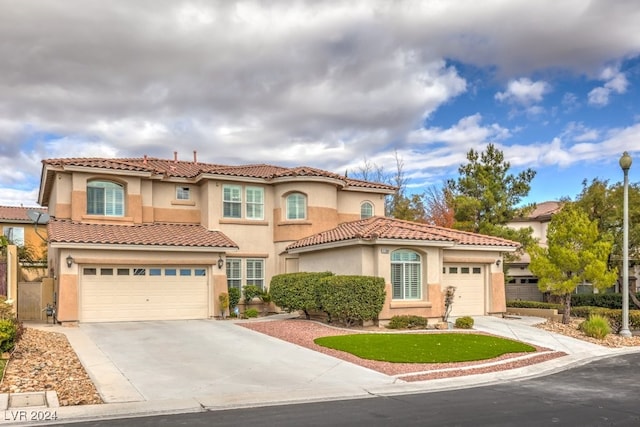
423,348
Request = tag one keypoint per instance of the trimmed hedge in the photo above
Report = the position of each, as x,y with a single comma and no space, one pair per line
600,300
464,322
297,291
352,299
535,304
408,321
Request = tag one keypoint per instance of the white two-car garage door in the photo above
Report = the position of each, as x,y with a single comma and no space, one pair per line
123,293
469,280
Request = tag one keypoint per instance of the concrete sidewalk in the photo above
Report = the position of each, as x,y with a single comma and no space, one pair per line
329,378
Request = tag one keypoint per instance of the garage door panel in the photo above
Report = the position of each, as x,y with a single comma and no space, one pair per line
469,281
144,297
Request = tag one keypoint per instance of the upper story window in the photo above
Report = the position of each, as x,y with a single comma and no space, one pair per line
105,198
406,274
255,202
366,210
232,202
14,235
183,193
296,206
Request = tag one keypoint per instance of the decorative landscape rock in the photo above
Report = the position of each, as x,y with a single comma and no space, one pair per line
44,361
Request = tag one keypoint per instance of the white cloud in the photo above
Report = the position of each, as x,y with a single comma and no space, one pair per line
524,92
615,82
304,82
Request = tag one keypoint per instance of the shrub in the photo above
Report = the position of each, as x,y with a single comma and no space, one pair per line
234,298
352,299
250,292
8,334
297,291
535,304
407,322
600,300
251,313
464,322
613,316
596,326
224,303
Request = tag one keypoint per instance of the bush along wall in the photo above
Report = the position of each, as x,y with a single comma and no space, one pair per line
352,299
600,300
297,291
613,315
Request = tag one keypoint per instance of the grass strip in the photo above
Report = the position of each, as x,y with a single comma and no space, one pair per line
424,348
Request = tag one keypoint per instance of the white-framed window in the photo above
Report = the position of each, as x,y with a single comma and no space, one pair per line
255,272
296,206
105,198
406,267
234,273
255,202
14,235
253,269
366,210
232,201
183,193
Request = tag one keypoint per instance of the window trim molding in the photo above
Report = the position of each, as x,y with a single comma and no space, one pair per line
286,206
123,187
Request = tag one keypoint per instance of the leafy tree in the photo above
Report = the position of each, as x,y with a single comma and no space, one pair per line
603,202
576,253
439,206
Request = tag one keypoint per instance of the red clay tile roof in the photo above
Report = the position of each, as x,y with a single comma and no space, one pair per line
394,229
17,213
542,211
184,169
185,235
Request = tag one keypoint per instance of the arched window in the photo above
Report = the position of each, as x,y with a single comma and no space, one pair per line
105,198
296,206
366,210
406,276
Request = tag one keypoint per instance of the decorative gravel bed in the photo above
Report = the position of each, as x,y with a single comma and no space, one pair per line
303,332
43,361
611,340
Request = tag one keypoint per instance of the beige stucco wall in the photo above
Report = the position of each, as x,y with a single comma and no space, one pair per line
31,238
376,261
349,203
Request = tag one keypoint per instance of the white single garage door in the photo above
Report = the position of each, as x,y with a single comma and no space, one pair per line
469,298
123,293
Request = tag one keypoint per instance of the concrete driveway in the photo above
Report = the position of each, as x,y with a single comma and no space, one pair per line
216,360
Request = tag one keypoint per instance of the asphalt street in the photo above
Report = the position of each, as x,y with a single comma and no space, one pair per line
601,393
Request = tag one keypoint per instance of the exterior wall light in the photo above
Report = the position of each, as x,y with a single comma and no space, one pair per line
69,261
498,263
220,262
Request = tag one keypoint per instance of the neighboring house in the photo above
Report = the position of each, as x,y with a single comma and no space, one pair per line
20,230
146,239
521,283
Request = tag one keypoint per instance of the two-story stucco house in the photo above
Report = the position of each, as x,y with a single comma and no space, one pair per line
146,238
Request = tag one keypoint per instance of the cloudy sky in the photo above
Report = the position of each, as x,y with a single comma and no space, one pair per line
555,85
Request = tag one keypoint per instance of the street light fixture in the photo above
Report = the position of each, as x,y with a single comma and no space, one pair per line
625,164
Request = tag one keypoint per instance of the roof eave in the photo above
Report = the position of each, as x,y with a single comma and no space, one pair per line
141,247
